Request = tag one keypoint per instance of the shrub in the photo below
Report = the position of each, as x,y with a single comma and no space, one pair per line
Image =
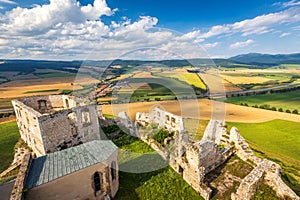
255,106
265,106
280,110
274,108
288,111
295,111
161,135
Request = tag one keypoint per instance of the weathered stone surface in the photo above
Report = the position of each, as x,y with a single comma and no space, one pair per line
18,188
51,123
163,119
128,126
214,131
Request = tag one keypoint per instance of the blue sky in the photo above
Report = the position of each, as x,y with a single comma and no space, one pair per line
68,29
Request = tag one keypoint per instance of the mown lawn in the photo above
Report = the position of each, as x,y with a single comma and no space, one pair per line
286,100
9,135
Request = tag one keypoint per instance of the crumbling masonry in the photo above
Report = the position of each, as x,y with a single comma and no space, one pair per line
194,159
52,123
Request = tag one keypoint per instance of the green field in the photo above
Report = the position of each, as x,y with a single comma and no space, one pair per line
9,135
277,77
158,88
286,100
277,140
38,91
290,66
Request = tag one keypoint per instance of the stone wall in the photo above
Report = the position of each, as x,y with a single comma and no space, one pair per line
70,127
274,180
265,170
242,148
128,126
193,160
214,131
63,126
18,188
51,103
29,126
163,119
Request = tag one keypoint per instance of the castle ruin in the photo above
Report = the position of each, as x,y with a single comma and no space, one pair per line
68,161
193,160
52,123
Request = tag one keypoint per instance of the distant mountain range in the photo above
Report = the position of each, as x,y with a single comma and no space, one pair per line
268,59
251,60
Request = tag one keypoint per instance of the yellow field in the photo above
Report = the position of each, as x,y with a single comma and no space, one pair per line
17,88
188,108
244,79
183,75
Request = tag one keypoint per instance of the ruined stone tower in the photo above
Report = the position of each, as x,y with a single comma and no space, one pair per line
52,123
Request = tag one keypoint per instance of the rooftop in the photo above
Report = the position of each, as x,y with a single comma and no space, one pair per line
55,165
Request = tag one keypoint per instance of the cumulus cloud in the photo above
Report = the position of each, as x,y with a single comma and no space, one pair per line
64,29
241,44
68,30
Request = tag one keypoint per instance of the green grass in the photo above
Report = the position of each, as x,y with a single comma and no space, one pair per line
9,135
286,100
278,140
38,91
156,91
109,116
66,92
265,192
160,88
159,183
234,166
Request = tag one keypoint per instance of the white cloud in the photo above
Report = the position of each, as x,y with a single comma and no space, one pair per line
241,44
284,34
64,29
68,30
291,3
8,2
210,45
258,25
